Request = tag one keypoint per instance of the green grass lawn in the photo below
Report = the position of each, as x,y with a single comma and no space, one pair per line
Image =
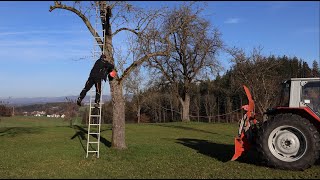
33,147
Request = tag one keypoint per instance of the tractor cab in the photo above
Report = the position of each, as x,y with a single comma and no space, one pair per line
301,93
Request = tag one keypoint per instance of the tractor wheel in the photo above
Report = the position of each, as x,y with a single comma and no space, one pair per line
288,141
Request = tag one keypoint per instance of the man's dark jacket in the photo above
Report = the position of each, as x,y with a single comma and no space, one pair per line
101,69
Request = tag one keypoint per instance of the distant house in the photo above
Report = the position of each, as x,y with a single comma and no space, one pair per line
56,115
38,113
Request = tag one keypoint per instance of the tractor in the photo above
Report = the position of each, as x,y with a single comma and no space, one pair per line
288,137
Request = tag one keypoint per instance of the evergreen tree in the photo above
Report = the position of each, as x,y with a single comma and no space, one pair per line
315,69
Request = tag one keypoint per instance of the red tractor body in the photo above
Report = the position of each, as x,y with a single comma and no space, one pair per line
289,137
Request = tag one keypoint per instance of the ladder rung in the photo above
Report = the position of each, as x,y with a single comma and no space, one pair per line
95,124
93,142
92,151
93,103
95,107
94,133
95,115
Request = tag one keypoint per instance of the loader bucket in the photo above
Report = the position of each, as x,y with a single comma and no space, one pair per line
241,145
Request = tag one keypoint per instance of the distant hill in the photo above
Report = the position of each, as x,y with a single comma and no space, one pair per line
44,100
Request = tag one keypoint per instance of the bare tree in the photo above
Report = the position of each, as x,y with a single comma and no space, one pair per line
209,105
259,74
5,109
124,18
71,110
193,53
133,85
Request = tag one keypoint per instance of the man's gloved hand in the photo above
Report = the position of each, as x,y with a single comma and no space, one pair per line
111,75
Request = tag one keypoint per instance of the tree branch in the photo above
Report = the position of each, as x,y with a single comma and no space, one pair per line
140,61
125,29
58,5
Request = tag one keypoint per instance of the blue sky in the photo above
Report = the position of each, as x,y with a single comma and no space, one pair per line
45,54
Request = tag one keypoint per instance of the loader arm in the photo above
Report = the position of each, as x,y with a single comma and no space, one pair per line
250,111
241,141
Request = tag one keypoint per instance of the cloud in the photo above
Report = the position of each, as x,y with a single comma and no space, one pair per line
232,21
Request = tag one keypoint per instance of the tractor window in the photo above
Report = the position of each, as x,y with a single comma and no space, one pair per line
311,96
285,94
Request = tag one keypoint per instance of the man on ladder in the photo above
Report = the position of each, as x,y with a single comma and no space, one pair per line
101,69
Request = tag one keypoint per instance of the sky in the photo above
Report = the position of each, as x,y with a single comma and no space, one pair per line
48,54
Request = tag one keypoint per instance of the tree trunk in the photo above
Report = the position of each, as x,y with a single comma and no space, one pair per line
185,108
218,111
171,107
118,121
139,113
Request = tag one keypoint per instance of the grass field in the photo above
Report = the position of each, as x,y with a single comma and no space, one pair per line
32,147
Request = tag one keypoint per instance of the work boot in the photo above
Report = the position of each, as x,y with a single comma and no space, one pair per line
79,101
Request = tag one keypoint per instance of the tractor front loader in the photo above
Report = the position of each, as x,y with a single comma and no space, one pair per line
289,137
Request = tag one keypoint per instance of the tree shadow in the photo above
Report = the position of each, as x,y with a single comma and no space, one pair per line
221,152
14,131
317,163
81,134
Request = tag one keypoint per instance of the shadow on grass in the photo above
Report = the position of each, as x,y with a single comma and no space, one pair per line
81,133
14,131
185,128
221,152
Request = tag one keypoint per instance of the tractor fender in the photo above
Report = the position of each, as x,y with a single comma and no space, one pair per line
304,112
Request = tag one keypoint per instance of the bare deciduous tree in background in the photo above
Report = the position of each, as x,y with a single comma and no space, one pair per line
209,103
133,85
123,17
71,110
193,52
259,74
